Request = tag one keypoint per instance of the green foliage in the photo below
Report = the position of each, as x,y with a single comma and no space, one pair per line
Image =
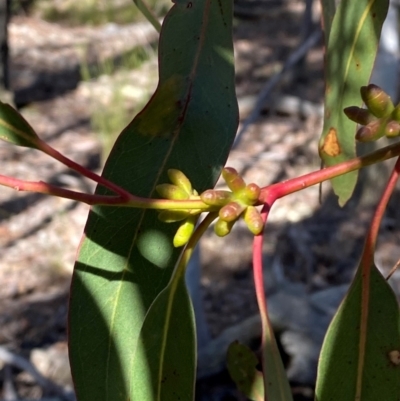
127,257
359,358
351,48
15,129
241,363
165,357
131,333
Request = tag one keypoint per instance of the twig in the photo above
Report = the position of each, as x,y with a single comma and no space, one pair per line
293,59
392,271
9,392
11,358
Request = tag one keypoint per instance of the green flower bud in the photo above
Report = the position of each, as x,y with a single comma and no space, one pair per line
358,115
184,232
392,129
252,192
223,228
253,220
371,132
396,113
231,211
180,180
232,178
377,101
216,197
173,215
169,191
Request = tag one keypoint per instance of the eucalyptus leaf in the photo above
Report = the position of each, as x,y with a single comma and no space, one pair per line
352,43
126,257
241,363
15,129
360,355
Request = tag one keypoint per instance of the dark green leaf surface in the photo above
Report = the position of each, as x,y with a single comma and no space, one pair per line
360,356
126,257
15,129
351,49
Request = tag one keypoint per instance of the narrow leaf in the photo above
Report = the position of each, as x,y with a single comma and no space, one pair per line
241,363
351,49
146,11
127,257
276,383
328,12
166,348
359,358
15,129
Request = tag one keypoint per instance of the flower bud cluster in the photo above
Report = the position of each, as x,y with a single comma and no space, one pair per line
180,189
380,118
239,201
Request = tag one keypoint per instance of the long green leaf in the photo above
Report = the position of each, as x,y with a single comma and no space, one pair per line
166,348
126,257
360,358
276,383
351,49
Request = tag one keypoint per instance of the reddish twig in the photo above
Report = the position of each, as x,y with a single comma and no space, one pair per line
268,341
372,235
367,262
55,154
316,177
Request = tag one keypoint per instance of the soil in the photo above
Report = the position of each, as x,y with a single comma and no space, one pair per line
317,244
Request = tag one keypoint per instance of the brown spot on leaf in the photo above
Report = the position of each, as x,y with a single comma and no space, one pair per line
331,145
189,5
394,357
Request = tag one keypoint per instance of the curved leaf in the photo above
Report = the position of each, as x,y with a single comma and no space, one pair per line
328,12
166,348
360,355
241,363
145,10
351,49
126,257
275,378
15,129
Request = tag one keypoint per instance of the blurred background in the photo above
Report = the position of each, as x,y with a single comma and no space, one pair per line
79,71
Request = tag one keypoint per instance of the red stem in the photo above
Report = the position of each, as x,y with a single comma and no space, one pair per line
369,247
258,273
296,184
274,191
48,189
106,200
367,261
44,147
267,331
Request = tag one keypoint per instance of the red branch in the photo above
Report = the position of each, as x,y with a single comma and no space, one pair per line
48,189
296,184
369,247
44,147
